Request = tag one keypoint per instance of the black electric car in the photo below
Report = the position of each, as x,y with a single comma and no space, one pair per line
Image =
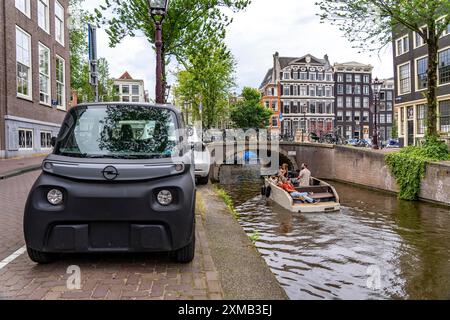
120,179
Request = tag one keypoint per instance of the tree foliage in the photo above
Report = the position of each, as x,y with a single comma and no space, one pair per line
370,24
250,113
207,81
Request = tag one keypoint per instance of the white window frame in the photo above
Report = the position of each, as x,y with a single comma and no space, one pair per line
29,96
27,11
417,35
398,79
32,138
49,77
439,79
416,75
46,4
63,105
46,132
62,20
447,31
402,39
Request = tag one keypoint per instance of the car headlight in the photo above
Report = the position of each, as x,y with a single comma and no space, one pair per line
165,197
55,197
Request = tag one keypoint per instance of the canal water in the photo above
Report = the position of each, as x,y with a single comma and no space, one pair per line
377,247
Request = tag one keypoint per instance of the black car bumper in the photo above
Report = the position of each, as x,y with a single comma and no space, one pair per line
110,217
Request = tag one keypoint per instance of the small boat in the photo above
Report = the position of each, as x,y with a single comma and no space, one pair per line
319,190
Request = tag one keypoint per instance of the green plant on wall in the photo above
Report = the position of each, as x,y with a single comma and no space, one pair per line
409,166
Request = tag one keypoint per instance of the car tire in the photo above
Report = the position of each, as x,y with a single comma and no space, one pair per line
186,254
40,257
203,180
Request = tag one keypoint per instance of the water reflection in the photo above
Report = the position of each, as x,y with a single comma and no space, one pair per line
334,256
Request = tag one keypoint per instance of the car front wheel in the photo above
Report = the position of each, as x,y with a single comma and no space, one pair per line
40,257
186,254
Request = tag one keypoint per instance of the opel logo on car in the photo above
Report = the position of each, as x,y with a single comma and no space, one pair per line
110,173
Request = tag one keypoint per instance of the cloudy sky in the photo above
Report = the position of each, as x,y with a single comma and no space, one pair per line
292,28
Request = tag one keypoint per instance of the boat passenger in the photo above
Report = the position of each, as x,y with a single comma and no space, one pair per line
304,196
304,177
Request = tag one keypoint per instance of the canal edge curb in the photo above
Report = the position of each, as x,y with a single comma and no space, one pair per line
243,271
19,172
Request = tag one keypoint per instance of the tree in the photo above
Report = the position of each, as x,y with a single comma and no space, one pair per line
207,80
370,24
187,24
250,113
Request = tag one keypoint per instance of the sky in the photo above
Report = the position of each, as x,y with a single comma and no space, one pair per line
292,28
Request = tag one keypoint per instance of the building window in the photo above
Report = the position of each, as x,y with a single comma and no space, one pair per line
357,116
444,114
418,40
340,116
404,75
44,74
312,91
25,139
303,91
328,77
320,76
320,91
126,99
421,116
348,116
389,96
23,57
348,102
357,89
366,116
340,77
348,78
366,103
60,82
366,79
312,76
328,92
357,102
59,23
366,90
388,118
382,118
136,99
444,66
126,89
340,89
388,106
303,76
286,91
135,90
402,45
24,7
349,89
46,140
295,75
43,15
340,102
274,106
422,69
295,91
357,78
274,122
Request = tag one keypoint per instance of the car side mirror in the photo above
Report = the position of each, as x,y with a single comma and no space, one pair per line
53,142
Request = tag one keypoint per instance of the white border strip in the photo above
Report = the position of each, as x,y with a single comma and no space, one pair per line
12,257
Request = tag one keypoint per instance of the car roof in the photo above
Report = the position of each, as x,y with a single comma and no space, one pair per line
137,104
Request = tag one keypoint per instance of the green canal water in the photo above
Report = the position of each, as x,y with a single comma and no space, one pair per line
377,247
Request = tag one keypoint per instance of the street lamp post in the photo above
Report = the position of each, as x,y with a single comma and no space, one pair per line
158,11
377,84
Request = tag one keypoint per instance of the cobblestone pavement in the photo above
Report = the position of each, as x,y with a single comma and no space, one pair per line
124,276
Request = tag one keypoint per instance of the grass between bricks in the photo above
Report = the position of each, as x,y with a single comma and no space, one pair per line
227,200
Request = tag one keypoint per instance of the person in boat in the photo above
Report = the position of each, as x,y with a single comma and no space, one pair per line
284,171
304,177
289,188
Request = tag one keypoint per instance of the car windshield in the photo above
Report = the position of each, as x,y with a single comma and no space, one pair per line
118,131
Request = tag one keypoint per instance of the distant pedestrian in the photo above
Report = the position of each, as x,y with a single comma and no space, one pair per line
304,178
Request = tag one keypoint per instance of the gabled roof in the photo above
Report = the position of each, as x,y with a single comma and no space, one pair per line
126,76
267,78
285,61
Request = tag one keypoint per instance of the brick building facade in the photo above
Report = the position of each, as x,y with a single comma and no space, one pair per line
35,74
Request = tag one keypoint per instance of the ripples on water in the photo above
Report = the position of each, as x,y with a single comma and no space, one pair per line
331,256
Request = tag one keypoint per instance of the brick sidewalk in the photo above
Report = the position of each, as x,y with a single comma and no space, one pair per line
144,276
11,166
